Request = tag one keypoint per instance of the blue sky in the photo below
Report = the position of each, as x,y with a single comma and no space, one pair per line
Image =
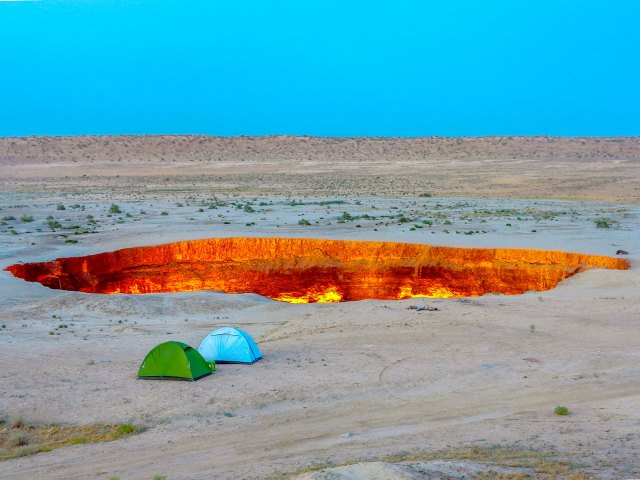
330,68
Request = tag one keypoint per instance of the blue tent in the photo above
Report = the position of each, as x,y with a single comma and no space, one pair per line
229,345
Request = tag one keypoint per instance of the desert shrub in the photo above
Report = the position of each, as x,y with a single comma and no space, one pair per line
60,207
125,429
20,438
164,213
30,450
602,224
26,219
16,422
114,208
561,410
304,221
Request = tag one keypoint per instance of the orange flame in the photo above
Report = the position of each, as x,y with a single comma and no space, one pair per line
307,270
432,292
330,295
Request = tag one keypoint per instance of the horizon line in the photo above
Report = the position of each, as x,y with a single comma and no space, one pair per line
274,135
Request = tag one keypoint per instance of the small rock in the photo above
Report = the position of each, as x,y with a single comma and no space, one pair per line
420,308
622,252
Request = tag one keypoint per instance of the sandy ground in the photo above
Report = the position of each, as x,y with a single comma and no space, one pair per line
338,381
490,167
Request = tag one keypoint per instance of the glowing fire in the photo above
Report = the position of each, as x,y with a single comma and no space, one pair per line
431,292
307,270
330,295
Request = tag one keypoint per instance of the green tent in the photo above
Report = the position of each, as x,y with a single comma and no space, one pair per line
175,360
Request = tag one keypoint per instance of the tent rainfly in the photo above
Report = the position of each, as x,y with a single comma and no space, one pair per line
175,361
230,345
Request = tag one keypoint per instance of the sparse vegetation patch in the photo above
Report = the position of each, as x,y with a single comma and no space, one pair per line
19,439
561,410
526,463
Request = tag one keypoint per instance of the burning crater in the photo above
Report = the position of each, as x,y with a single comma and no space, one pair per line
305,270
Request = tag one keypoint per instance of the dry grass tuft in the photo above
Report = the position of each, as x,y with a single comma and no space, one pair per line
534,464
19,439
16,422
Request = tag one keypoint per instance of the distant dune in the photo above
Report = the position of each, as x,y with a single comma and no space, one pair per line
461,387
550,167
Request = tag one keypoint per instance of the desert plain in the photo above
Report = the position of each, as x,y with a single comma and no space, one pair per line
366,389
